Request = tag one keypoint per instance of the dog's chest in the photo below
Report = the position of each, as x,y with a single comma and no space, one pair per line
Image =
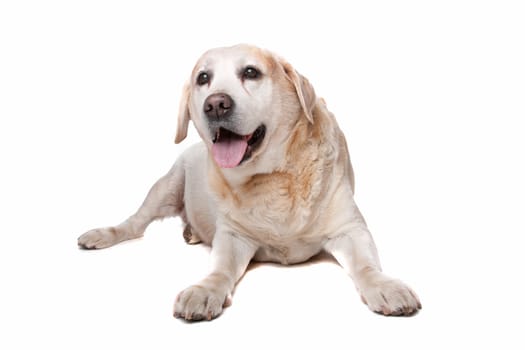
274,209
279,220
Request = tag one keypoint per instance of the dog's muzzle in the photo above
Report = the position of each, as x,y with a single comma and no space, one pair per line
229,148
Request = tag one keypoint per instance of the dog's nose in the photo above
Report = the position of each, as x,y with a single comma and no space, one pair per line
218,106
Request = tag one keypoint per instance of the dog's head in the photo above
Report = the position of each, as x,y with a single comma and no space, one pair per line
239,98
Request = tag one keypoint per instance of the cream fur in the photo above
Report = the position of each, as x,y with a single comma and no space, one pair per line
291,200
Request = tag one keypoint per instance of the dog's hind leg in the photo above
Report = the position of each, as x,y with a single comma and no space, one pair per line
164,199
189,236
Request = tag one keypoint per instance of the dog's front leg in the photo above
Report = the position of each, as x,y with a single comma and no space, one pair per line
230,255
356,253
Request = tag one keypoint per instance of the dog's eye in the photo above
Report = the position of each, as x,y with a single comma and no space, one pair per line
250,73
203,78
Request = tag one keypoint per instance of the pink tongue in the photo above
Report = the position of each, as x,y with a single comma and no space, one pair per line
229,153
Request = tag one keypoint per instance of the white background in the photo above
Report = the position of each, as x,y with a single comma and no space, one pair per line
429,94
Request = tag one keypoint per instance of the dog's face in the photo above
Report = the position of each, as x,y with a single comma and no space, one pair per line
238,97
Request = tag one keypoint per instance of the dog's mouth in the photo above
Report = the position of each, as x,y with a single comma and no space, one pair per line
230,149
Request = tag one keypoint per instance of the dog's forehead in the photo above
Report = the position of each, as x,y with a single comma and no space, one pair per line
234,56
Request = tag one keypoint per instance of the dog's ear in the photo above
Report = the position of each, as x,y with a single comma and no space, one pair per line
305,91
184,114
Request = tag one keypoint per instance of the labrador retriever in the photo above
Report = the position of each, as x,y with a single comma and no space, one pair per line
270,181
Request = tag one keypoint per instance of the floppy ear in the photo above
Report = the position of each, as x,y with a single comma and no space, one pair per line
303,88
184,115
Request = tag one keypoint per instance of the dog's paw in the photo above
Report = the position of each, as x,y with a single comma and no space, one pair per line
98,238
390,297
198,303
189,235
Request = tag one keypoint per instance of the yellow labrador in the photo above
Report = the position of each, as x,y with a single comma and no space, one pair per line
271,181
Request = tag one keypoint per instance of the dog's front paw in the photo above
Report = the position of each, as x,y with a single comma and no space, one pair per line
99,238
390,297
198,303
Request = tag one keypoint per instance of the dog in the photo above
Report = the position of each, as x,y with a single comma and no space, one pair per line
271,181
